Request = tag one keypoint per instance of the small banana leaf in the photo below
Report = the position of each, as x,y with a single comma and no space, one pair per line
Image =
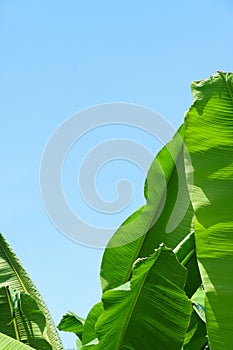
70,322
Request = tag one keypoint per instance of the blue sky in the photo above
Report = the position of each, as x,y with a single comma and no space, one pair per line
58,58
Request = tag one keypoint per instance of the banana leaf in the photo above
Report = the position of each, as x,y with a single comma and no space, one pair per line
151,311
185,252
209,139
70,322
167,197
14,277
89,331
166,217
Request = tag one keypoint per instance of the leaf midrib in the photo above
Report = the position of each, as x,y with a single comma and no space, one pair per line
133,305
17,336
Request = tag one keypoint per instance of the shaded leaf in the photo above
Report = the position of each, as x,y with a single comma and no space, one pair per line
22,320
186,254
196,336
14,276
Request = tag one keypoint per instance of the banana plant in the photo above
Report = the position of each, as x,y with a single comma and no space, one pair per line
179,243
166,274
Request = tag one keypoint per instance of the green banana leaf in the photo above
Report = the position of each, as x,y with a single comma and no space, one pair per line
13,275
70,322
84,329
118,260
196,336
185,252
209,139
89,331
151,311
8,343
166,217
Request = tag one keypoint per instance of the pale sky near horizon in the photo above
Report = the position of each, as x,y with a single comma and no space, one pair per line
58,58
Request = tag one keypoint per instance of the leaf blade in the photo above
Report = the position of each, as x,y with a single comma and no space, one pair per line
208,137
146,229
70,322
153,310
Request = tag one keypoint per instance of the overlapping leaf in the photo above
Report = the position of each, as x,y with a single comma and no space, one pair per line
149,312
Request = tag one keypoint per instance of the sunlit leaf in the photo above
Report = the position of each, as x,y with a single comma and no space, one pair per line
209,139
70,322
149,312
165,218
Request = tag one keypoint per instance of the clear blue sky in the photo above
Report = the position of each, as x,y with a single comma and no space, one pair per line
58,57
